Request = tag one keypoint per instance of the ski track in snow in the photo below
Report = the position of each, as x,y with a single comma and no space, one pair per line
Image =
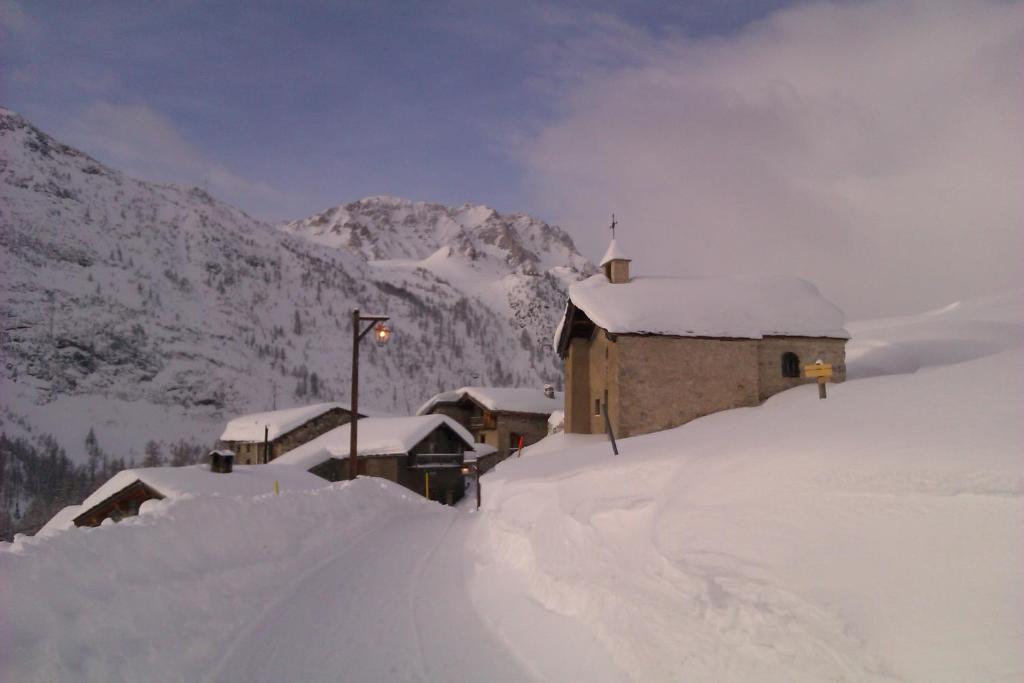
331,624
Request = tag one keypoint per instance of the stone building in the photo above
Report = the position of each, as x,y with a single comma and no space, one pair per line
498,416
284,430
657,352
424,454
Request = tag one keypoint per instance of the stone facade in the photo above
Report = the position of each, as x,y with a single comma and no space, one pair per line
510,426
807,350
251,452
655,382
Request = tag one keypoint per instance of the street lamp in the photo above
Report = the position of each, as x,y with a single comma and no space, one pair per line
474,468
381,334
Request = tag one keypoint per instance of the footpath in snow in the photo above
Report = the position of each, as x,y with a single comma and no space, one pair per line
358,581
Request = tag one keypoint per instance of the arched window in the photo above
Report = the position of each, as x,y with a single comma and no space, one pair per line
790,364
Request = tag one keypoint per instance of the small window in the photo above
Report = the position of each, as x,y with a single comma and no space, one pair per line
790,364
597,406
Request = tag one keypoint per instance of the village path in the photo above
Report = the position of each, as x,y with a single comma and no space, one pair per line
392,606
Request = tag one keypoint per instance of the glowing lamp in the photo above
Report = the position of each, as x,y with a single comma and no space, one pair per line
381,333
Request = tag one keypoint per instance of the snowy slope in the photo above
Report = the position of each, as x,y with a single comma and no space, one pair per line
152,311
872,536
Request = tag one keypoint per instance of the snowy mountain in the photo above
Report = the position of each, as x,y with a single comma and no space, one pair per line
150,311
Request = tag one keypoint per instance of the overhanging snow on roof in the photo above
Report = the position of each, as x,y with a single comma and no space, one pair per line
747,307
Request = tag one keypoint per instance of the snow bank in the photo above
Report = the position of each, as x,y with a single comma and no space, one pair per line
376,436
162,597
871,536
277,422
959,332
747,307
198,480
508,399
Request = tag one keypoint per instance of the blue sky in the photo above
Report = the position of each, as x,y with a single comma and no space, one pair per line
828,140
324,102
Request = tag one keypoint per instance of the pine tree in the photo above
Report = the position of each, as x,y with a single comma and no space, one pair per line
154,455
94,453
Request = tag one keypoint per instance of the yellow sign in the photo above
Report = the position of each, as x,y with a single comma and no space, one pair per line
818,370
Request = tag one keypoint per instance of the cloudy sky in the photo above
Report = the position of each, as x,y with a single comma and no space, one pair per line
876,148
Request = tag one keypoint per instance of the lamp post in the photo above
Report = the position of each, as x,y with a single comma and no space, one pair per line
381,334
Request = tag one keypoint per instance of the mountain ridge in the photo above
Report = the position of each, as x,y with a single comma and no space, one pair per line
151,311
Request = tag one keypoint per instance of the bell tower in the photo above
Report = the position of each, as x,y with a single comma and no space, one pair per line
615,263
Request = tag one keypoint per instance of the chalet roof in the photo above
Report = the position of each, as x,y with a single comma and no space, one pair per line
746,307
175,482
376,435
614,253
279,422
500,399
480,450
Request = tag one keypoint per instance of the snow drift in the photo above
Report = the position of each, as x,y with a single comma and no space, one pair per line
871,536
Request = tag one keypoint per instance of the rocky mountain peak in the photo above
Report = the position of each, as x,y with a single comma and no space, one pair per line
153,312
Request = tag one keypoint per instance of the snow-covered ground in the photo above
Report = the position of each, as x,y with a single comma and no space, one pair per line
873,536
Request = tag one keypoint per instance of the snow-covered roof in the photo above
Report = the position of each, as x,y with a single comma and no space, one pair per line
480,450
614,253
250,427
64,519
376,436
506,399
747,307
174,482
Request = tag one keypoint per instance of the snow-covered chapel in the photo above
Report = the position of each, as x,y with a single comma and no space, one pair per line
656,352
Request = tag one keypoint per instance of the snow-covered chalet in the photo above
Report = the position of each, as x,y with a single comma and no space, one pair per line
261,437
657,352
425,454
502,417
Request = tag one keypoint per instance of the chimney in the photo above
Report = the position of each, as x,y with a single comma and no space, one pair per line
222,462
615,264
549,391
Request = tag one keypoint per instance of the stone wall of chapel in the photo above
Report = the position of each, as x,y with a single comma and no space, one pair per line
807,349
603,381
663,382
577,387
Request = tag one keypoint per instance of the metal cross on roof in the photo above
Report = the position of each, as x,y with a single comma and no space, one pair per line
614,223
